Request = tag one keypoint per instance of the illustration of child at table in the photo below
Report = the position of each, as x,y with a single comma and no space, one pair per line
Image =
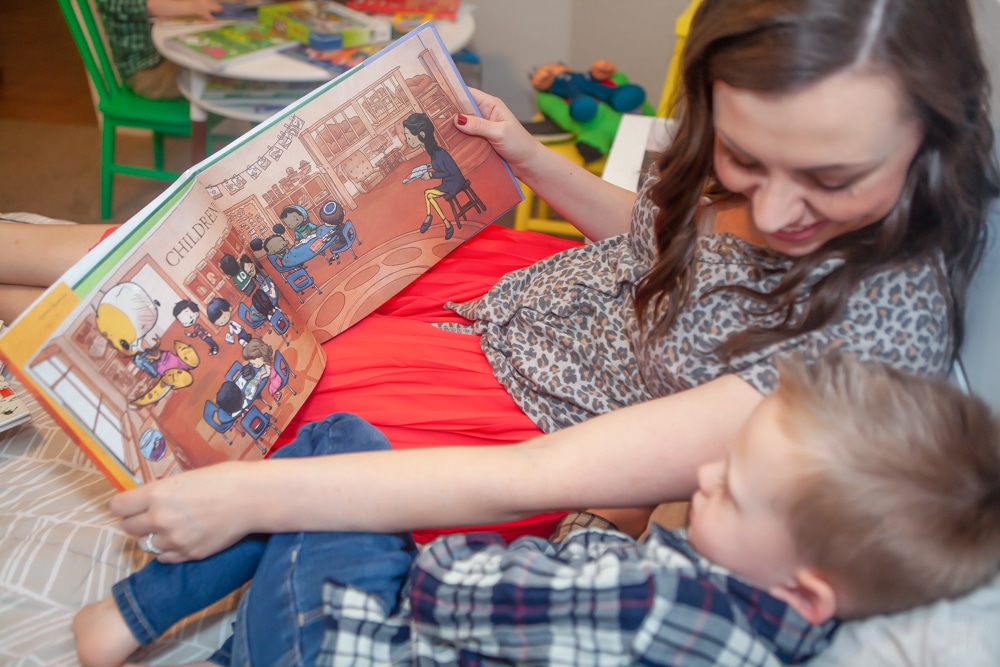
297,218
258,370
418,131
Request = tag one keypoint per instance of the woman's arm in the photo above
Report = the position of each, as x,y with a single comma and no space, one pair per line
643,454
35,256
597,208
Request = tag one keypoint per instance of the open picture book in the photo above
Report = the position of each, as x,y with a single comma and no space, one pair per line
193,333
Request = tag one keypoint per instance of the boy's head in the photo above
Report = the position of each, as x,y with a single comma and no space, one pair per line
293,215
186,312
856,489
219,311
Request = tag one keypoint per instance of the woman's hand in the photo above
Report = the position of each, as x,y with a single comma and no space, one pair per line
191,515
498,126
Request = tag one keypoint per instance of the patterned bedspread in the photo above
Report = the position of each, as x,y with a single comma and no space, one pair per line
61,549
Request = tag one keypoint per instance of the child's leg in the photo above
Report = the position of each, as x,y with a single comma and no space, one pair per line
150,601
432,197
280,621
147,603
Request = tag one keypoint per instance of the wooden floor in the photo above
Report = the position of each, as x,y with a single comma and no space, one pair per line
42,77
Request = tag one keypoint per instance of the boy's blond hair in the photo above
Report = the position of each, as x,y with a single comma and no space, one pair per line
899,501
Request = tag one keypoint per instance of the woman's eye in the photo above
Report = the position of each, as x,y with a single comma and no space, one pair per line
743,164
834,187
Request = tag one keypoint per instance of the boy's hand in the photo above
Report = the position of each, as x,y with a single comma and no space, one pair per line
200,8
191,515
504,132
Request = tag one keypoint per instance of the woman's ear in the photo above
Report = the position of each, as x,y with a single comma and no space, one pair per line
809,593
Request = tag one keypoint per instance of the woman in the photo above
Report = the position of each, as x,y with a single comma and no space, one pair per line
827,188
846,179
418,132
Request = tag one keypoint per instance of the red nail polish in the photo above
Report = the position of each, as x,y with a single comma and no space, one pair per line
462,120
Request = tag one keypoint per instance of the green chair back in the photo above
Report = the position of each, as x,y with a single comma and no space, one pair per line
118,105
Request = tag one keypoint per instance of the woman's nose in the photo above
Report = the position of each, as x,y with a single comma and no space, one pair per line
776,204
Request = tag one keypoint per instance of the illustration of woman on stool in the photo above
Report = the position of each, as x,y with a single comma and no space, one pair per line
418,130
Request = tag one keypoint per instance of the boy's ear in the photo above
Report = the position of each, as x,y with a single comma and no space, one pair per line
810,594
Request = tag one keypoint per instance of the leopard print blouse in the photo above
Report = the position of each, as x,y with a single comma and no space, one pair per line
563,338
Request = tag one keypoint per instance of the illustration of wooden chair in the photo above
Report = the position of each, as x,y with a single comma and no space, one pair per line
459,210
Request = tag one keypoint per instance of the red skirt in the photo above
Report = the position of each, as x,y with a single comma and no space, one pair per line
423,387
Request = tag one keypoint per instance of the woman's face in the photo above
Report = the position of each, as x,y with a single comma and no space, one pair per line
816,163
412,140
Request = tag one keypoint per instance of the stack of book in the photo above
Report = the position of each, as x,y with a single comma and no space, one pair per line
322,26
256,96
438,9
219,47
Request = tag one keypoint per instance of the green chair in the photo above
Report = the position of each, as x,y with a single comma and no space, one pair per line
119,106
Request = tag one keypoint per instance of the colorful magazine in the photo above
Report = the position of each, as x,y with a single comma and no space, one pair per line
336,61
192,334
222,46
441,9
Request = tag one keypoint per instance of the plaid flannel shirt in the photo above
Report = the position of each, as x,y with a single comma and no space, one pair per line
598,598
130,34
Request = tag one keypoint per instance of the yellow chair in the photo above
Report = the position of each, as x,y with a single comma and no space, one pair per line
672,86
534,213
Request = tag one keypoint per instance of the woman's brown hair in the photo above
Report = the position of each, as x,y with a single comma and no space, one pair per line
773,46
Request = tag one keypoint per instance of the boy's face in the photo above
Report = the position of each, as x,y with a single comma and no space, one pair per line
223,318
187,317
737,515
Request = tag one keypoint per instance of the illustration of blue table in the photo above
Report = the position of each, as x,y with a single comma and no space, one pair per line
326,240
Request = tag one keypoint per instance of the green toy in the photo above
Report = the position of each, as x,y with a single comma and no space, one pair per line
589,106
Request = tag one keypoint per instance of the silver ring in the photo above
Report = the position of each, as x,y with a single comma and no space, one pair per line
147,546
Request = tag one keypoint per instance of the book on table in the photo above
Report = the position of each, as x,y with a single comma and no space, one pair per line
219,47
193,333
242,91
440,9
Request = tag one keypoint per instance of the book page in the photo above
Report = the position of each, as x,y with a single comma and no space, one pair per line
323,190
192,334
169,362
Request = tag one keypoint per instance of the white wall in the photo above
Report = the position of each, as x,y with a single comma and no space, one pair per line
987,15
981,352
515,36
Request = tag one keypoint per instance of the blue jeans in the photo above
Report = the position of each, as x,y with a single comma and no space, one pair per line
280,618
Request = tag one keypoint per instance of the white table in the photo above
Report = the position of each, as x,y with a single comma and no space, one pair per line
456,35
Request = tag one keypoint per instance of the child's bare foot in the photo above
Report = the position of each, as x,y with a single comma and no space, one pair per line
102,637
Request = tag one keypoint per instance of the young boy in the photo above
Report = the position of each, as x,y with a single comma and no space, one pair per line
186,312
853,490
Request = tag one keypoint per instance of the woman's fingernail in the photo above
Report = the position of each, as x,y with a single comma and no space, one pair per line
461,120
